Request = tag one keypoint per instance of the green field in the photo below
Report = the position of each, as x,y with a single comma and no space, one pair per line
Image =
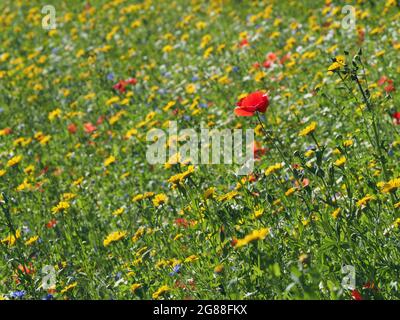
85,215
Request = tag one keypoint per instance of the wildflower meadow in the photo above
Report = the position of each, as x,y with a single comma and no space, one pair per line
199,149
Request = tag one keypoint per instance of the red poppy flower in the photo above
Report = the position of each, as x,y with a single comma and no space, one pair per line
396,118
258,150
51,223
356,295
181,222
267,64
272,56
390,87
72,128
284,58
89,127
244,43
121,85
256,101
382,80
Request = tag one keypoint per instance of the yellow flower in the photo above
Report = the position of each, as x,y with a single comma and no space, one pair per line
2,172
209,193
290,192
160,291
190,88
347,143
364,201
273,168
118,212
228,196
61,206
29,169
135,286
389,186
139,233
160,199
341,161
309,129
112,100
396,224
336,213
113,237
340,61
11,239
255,235
191,258
69,287
14,161
68,196
31,240
54,114
109,160
258,213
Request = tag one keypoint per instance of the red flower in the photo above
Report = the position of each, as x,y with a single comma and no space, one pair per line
181,222
256,101
396,118
272,56
72,128
267,64
382,80
356,295
51,223
121,85
390,87
89,127
258,150
244,43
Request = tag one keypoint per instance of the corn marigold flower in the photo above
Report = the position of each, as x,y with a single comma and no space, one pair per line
113,237
290,191
60,207
11,238
341,161
389,186
254,102
160,199
255,235
69,287
118,211
364,201
228,196
160,291
309,129
338,63
31,240
273,168
335,214
209,193
14,161
135,286
109,160
138,234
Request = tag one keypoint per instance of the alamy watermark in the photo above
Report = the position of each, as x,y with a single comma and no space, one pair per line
349,21
49,20
349,280
209,146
